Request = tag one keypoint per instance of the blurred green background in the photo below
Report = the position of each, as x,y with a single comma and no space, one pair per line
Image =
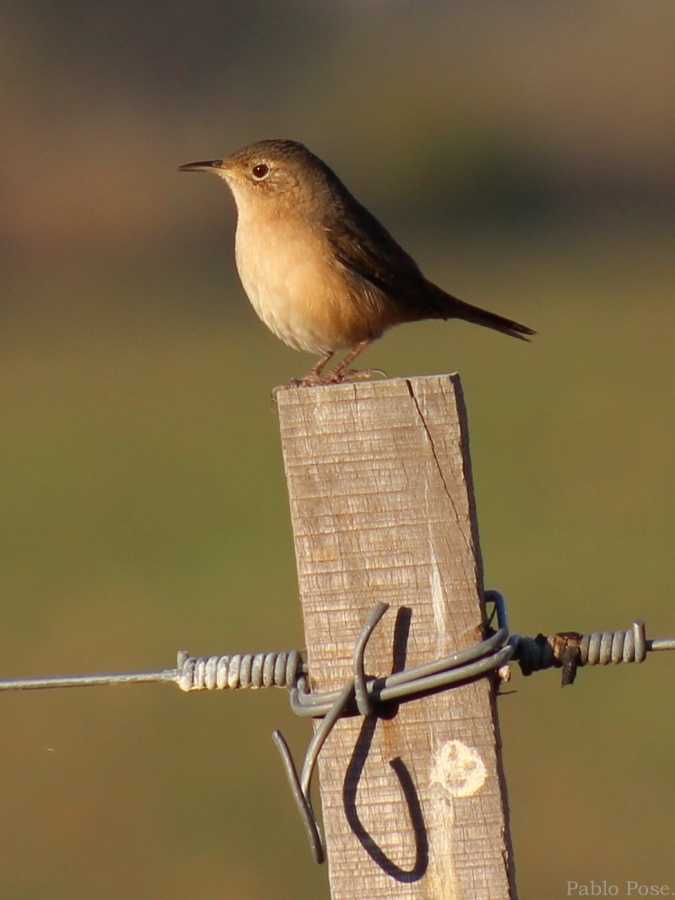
525,154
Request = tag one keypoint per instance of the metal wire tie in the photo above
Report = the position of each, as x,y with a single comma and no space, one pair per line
360,695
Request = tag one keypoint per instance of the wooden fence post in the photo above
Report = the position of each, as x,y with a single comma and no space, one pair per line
382,508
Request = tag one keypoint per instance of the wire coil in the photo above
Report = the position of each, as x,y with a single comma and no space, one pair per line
604,647
239,670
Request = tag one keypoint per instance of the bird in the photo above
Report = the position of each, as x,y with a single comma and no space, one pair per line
319,269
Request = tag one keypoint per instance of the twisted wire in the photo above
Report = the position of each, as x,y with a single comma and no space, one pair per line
598,648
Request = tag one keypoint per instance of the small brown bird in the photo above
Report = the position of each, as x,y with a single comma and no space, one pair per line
320,271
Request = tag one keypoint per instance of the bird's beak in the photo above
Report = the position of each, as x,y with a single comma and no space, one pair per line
211,165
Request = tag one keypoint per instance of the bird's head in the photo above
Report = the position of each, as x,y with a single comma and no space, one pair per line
274,171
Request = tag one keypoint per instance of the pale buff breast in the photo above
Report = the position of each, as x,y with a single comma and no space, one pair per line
299,292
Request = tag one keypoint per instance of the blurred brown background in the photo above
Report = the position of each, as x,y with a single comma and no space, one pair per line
525,153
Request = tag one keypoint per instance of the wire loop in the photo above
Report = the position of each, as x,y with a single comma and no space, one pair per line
361,696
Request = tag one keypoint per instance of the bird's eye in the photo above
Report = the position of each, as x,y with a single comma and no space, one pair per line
260,172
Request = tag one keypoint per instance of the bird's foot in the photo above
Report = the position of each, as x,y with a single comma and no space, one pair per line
339,376
310,380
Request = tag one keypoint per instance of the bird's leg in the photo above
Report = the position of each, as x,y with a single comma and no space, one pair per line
314,374
316,377
342,369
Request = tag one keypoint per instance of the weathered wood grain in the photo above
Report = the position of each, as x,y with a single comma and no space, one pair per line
382,508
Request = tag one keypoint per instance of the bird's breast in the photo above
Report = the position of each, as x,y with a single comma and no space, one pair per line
300,291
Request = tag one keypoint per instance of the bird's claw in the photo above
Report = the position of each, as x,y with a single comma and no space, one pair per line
358,375
337,376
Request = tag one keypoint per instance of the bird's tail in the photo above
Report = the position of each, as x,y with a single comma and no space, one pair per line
453,308
492,320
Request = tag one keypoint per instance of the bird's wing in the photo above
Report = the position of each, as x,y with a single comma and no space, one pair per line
365,247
